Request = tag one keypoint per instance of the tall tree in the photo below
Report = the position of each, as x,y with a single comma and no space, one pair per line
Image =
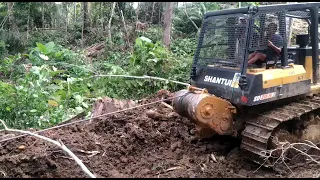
152,12
167,24
42,17
109,25
86,22
89,14
66,15
12,23
75,12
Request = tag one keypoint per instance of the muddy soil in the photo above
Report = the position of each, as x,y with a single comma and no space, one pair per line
130,144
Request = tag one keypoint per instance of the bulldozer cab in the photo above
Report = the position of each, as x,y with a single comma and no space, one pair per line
228,37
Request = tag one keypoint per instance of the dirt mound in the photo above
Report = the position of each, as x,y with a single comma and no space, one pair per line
129,144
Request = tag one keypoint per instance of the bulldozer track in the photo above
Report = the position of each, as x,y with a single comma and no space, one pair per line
261,126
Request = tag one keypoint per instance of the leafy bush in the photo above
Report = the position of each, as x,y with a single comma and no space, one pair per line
13,41
196,12
149,58
58,36
155,33
7,65
184,47
47,93
40,99
63,58
3,49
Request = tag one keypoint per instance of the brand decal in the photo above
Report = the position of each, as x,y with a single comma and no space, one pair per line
270,62
223,81
264,96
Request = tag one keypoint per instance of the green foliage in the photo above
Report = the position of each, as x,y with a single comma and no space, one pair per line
40,99
49,92
195,11
59,37
12,41
184,47
244,4
3,49
149,58
155,33
7,65
53,54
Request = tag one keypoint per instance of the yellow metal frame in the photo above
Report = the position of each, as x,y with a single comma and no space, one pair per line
295,73
277,77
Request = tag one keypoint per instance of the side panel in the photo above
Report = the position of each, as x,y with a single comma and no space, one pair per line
308,66
224,83
278,76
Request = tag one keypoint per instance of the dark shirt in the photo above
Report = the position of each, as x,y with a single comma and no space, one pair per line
277,40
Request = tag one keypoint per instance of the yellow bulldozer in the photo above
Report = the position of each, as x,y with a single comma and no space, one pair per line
242,86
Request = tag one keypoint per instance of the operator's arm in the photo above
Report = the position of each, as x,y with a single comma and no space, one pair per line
275,48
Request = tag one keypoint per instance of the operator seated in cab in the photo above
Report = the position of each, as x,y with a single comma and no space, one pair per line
273,51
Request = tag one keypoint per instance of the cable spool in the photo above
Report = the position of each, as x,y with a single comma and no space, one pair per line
207,111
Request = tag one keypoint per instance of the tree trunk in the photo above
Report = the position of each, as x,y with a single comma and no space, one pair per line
146,12
75,12
289,32
43,15
28,22
89,14
100,13
102,20
51,22
12,23
152,12
125,29
137,13
160,14
85,17
109,26
167,23
83,23
66,17
131,5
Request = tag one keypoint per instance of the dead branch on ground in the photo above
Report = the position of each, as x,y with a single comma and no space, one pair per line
95,50
59,144
301,148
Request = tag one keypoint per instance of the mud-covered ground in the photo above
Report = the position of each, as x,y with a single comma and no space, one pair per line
130,144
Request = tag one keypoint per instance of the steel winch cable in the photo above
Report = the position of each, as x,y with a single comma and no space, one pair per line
141,77
91,118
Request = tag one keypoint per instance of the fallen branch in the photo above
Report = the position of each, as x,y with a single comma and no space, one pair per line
167,105
173,168
284,147
214,159
90,153
59,144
